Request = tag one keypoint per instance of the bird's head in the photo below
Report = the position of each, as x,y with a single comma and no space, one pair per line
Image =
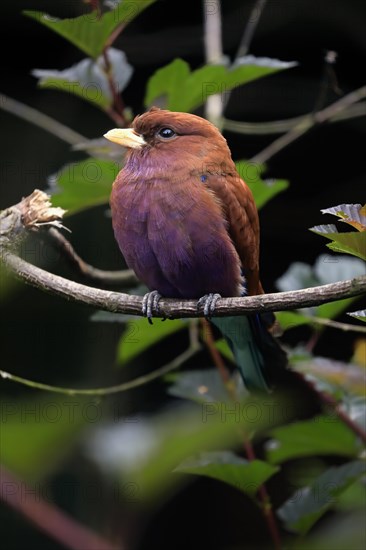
161,137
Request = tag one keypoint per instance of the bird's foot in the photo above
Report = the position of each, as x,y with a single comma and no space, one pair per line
150,305
208,303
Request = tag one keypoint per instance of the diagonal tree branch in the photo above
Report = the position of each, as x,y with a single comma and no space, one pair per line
35,212
176,308
307,123
48,518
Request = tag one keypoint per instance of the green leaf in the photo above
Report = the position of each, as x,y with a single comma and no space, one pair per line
88,32
146,450
36,435
224,349
322,435
304,508
83,184
225,466
263,190
185,90
350,243
290,319
333,309
88,79
140,336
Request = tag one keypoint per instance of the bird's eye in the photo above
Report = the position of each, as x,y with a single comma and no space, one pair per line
166,133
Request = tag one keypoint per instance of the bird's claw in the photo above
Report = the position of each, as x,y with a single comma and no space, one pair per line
208,303
150,305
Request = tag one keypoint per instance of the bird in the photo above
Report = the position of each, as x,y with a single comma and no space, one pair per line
187,224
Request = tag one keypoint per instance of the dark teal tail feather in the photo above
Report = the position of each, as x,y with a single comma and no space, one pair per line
258,355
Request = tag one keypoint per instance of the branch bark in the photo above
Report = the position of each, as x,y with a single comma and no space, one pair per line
36,212
176,308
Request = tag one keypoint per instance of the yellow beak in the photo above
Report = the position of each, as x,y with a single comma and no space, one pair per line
125,137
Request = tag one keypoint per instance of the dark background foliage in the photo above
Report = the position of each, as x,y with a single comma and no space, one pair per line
48,339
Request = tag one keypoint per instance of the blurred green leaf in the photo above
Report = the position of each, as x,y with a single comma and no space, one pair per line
185,90
334,377
290,319
333,309
147,450
301,511
83,184
200,386
225,466
344,531
322,435
140,336
263,190
224,349
88,78
88,32
37,434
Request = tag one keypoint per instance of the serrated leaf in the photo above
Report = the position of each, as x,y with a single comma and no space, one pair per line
140,336
83,184
301,511
88,79
349,243
225,466
185,90
263,190
352,214
322,435
89,32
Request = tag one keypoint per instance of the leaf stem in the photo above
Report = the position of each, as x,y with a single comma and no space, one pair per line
125,277
307,123
264,498
41,120
101,392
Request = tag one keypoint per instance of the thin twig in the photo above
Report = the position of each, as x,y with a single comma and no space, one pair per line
279,126
250,28
309,122
264,498
48,518
100,392
247,38
176,308
117,111
125,278
41,120
216,357
346,327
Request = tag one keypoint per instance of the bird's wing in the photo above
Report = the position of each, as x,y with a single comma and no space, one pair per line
241,213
